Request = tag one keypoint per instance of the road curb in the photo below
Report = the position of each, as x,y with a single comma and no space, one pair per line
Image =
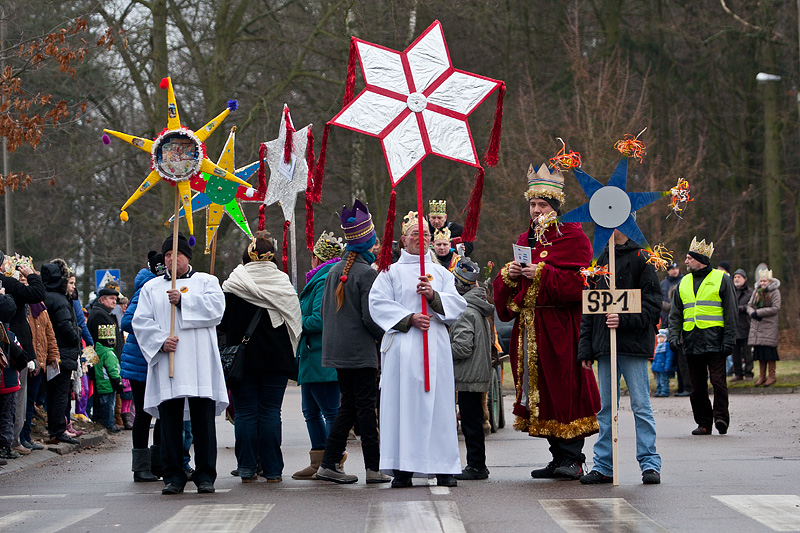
51,451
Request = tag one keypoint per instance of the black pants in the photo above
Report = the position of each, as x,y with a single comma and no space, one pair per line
684,376
471,409
141,422
201,412
742,358
567,451
359,390
703,366
58,403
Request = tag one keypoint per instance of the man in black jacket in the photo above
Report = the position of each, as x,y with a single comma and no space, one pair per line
68,340
635,337
702,322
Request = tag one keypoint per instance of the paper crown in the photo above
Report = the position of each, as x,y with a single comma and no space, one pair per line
764,274
11,264
357,223
443,234
701,247
106,332
437,207
544,183
328,246
467,271
409,220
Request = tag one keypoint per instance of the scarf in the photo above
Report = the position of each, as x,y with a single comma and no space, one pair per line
310,273
261,283
37,308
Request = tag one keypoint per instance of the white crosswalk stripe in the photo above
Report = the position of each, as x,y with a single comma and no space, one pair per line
45,521
217,518
30,496
779,512
419,517
599,514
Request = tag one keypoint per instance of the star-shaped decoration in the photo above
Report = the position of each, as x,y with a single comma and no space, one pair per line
611,207
177,155
416,103
220,196
287,178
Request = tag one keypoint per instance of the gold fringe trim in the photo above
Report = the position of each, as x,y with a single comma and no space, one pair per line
506,279
528,319
582,427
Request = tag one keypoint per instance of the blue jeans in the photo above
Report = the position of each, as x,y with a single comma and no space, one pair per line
106,414
320,405
636,377
662,383
187,442
257,425
33,390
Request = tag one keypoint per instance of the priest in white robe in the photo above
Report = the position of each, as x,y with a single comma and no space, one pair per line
197,391
417,428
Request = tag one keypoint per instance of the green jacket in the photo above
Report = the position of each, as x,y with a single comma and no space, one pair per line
309,350
106,369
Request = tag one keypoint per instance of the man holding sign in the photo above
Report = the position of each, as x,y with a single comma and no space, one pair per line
635,334
556,398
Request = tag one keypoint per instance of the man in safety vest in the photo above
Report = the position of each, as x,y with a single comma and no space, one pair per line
702,322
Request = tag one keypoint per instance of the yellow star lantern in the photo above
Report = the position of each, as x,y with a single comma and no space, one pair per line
177,155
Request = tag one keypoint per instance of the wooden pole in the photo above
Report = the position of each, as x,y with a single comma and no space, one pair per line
173,275
422,252
612,334
213,253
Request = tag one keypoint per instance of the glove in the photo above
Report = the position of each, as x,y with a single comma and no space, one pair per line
31,366
116,384
675,347
727,350
755,316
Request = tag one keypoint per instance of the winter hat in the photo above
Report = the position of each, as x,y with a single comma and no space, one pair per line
466,271
741,272
359,232
672,265
107,292
725,265
183,246
155,262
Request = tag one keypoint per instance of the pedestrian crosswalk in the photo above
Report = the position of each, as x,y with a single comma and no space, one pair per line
431,515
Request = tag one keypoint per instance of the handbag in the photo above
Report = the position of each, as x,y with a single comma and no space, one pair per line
233,356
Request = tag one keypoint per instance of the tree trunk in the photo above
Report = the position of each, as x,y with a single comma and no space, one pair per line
772,178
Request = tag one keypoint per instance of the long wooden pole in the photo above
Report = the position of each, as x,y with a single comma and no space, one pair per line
612,334
422,252
213,253
173,275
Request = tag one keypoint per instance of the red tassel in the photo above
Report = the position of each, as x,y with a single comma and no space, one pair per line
287,147
319,172
385,259
262,170
309,190
285,253
473,208
493,149
262,224
350,81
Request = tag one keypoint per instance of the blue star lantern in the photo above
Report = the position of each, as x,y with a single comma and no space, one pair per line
611,207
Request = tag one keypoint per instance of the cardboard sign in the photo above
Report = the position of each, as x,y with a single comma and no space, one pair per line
604,301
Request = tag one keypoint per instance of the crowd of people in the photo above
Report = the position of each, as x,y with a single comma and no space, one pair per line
398,356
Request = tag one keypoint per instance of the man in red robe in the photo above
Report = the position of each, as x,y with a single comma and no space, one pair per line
556,398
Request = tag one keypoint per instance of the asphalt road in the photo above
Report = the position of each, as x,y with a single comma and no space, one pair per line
745,481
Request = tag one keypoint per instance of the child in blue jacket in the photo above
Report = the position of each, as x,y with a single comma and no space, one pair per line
663,364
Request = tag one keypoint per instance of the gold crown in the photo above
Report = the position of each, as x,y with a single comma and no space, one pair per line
13,262
764,274
543,183
328,246
409,220
442,235
106,332
437,207
701,247
252,253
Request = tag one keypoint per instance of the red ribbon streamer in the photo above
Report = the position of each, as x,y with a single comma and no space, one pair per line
385,258
309,188
473,208
493,148
350,81
285,252
287,146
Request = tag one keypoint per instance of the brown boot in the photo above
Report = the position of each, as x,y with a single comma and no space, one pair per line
762,373
310,472
771,369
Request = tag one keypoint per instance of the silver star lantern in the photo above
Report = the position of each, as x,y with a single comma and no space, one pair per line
286,179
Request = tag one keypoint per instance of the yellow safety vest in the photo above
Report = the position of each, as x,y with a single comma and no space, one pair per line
703,310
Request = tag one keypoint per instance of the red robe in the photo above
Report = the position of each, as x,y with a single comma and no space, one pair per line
563,399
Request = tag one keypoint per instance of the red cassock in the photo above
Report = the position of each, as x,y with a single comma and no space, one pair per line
556,397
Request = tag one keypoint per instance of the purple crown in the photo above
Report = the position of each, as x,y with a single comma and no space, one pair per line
357,223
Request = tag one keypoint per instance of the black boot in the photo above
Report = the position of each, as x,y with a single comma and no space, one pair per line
156,466
141,465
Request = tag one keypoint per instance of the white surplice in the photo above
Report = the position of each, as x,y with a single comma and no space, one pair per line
198,369
417,428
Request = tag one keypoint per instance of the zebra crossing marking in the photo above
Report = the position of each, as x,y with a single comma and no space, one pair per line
45,520
599,514
217,518
419,517
779,512
30,496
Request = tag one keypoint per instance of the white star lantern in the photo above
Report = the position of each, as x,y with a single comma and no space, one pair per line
287,178
416,103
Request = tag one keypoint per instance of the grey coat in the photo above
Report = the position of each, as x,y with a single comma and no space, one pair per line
349,335
471,342
764,332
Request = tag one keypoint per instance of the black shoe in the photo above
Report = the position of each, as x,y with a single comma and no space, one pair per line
446,480
63,437
172,488
721,426
144,476
651,477
205,487
683,394
235,472
113,430
569,470
32,445
402,479
548,472
8,453
596,478
470,473
700,430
